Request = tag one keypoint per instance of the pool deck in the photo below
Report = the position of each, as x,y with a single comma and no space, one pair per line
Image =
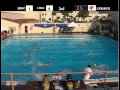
31,85
92,84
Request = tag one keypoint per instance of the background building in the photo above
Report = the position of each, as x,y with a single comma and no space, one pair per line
19,20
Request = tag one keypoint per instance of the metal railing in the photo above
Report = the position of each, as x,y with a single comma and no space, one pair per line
61,73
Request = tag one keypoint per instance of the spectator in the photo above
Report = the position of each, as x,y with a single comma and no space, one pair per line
89,70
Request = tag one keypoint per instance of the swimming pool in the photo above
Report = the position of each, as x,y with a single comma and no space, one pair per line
66,53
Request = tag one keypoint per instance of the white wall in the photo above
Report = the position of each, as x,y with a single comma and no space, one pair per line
10,24
83,27
35,29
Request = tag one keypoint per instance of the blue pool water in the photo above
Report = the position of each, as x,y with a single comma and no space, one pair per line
66,53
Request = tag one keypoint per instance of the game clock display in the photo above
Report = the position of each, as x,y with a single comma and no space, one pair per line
81,7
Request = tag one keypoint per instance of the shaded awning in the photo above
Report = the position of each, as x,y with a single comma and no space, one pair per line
62,25
44,25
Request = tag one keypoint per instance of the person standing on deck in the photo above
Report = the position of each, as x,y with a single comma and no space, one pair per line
87,75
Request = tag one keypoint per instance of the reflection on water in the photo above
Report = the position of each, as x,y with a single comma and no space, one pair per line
18,49
33,44
93,54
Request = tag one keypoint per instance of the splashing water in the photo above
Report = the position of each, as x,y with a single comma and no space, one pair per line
24,63
36,63
103,66
38,77
65,70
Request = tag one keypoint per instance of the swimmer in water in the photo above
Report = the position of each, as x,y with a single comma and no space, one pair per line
45,65
37,49
96,67
28,54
